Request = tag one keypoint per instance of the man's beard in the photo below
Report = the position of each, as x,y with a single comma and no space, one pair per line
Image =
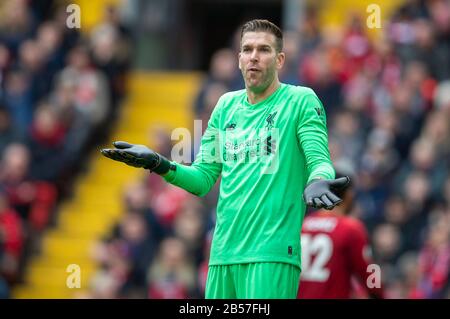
263,83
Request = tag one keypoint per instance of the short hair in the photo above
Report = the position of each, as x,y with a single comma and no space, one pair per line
264,26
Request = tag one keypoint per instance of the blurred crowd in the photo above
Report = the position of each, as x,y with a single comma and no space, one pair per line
388,107
60,90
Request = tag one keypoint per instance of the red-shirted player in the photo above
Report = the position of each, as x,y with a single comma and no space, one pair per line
335,251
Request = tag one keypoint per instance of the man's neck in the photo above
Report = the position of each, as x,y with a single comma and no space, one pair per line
340,210
337,211
256,97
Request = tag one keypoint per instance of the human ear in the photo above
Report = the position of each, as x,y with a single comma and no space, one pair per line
281,57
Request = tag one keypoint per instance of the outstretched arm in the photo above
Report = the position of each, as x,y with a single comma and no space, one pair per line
138,156
197,179
313,139
201,176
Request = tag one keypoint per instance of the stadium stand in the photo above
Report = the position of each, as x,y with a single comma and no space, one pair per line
388,106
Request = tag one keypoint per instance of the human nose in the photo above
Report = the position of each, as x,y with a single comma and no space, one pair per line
254,56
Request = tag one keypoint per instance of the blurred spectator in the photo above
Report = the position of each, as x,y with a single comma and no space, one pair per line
52,99
424,158
4,289
11,240
386,243
104,285
434,259
167,203
223,70
34,200
75,123
18,99
189,227
400,214
442,97
210,97
110,44
437,130
289,73
138,248
91,91
136,199
409,274
347,132
16,23
32,63
316,72
8,132
310,30
440,17
46,139
172,274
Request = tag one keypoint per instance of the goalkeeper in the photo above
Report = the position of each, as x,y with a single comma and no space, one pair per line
269,143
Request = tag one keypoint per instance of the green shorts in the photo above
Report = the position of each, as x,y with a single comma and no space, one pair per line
253,281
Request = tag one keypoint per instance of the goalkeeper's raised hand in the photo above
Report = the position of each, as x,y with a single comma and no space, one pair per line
319,193
138,156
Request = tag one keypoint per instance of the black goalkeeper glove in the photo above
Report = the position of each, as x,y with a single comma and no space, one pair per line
138,156
319,192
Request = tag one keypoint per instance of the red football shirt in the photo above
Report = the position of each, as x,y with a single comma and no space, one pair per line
335,249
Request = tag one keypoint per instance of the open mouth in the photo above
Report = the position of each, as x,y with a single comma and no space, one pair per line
253,70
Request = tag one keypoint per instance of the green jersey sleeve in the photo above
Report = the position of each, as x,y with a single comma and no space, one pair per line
313,138
201,176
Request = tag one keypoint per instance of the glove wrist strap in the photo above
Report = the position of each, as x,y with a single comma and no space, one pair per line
162,165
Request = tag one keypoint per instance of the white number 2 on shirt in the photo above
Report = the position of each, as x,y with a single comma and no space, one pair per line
321,247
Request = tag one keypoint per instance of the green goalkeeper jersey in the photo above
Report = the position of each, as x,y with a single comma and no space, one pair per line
265,154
